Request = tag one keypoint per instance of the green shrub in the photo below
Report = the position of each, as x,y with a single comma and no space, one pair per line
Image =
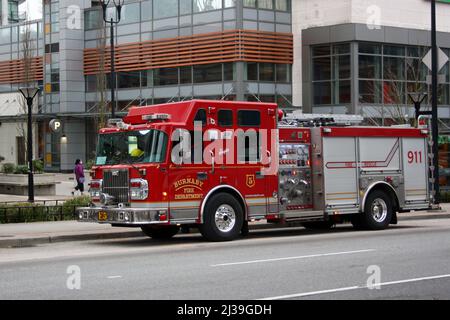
38,166
89,164
70,205
21,169
22,212
9,167
34,212
445,196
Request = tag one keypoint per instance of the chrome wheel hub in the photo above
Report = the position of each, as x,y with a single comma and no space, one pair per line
225,218
379,210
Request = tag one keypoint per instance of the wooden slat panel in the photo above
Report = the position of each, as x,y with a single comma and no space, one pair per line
216,47
12,71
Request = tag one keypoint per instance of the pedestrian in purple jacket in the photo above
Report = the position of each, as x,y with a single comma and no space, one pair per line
79,176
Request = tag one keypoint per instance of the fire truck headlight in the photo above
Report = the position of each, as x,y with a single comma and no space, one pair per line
95,187
80,215
127,216
138,189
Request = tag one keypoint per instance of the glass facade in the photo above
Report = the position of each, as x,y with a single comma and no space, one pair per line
385,73
331,74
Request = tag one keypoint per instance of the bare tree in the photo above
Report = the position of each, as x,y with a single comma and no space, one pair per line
395,104
101,76
28,77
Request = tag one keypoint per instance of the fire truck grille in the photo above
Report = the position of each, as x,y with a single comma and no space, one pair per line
116,184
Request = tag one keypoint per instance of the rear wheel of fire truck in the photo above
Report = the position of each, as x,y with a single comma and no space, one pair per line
377,211
223,218
160,232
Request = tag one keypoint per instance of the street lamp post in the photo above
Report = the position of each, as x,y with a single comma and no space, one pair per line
118,6
434,98
29,93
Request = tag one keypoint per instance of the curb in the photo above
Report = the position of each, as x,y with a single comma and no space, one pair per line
33,241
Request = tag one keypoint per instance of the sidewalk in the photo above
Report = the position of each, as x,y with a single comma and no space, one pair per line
28,234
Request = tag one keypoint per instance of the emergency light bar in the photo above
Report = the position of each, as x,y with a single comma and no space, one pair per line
156,116
317,119
118,123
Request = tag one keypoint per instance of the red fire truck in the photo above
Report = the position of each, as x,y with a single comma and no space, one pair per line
218,165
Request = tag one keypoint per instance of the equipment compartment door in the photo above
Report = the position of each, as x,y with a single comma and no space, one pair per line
339,155
415,169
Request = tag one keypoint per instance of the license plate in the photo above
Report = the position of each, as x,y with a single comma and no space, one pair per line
102,216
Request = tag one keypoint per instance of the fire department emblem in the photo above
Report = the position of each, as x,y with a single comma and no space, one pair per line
250,180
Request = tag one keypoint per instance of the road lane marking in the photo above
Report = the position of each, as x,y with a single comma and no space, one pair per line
313,293
291,258
114,277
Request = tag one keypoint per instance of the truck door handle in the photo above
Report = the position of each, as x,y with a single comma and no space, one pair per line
202,176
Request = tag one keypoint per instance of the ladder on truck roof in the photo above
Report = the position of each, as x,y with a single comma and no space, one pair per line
298,118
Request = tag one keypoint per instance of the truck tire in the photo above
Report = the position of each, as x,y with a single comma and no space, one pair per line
377,211
222,219
318,225
160,232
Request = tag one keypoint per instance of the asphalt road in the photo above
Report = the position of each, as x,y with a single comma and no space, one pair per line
409,261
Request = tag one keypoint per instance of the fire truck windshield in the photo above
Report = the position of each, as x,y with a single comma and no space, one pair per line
145,146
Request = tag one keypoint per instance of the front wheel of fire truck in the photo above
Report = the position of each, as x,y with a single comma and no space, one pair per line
377,211
160,232
223,218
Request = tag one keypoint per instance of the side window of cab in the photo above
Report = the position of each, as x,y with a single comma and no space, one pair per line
201,116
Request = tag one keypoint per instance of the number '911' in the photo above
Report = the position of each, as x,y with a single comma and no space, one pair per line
414,156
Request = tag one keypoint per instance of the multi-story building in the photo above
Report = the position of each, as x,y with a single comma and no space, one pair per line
166,50
365,57
355,57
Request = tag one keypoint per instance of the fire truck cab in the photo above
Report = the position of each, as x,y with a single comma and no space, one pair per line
217,165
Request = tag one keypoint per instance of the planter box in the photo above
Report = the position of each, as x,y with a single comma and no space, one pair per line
17,184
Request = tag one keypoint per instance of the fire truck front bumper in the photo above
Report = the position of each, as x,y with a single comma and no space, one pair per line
123,216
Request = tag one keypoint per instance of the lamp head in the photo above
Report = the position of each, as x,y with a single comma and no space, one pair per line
417,96
29,92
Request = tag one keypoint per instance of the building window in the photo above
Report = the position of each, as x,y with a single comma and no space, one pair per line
265,4
130,13
252,71
165,8
93,19
185,7
331,74
165,76
281,5
228,71
266,72
387,73
128,79
208,73
186,75
250,3
202,5
283,73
